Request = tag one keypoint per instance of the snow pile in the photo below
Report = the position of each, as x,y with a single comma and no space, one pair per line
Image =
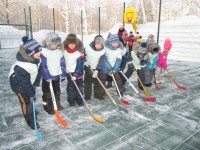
183,31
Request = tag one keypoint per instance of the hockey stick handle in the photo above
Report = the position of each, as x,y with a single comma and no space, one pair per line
105,89
53,96
78,89
116,86
129,82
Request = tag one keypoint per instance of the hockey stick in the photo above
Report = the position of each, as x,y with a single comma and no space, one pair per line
118,107
147,99
59,119
125,102
170,75
102,120
38,134
155,84
145,90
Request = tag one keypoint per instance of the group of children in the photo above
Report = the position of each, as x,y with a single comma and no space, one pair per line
53,62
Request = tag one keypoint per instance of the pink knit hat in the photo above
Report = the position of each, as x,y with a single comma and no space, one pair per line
167,44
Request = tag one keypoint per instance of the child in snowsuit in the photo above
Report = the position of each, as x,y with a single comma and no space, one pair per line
150,39
74,60
153,49
130,41
162,61
94,54
53,70
25,75
112,60
139,59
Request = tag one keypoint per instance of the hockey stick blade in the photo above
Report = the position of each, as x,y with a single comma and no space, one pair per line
59,119
180,87
98,119
38,134
157,87
125,102
147,92
123,110
149,99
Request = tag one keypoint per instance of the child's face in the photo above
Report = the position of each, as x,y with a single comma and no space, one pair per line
72,46
37,55
115,44
98,46
53,46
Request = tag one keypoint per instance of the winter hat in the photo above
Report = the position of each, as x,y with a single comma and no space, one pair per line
113,38
136,37
139,40
142,49
53,38
153,47
31,46
99,39
150,36
71,39
167,44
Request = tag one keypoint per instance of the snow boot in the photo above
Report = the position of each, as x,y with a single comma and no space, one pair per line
109,85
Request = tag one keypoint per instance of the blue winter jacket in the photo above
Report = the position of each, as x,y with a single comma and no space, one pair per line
45,72
153,65
106,64
20,80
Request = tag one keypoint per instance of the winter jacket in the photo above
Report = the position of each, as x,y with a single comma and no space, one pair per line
126,59
93,57
120,32
130,40
53,64
136,61
161,61
25,74
74,60
153,59
113,57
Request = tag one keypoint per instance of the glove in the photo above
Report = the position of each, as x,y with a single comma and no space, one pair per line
131,66
73,78
95,74
111,73
49,80
32,98
86,64
62,79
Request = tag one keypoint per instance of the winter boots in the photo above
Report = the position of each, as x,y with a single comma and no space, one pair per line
109,85
30,121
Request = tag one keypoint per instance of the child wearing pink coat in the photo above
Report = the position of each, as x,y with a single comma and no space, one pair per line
162,61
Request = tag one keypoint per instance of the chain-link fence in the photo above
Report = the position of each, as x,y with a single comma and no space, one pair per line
95,20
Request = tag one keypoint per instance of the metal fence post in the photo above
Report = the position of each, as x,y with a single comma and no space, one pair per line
158,32
54,21
99,20
25,21
82,25
123,12
31,25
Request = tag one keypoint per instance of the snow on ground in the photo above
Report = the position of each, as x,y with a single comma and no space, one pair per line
172,122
